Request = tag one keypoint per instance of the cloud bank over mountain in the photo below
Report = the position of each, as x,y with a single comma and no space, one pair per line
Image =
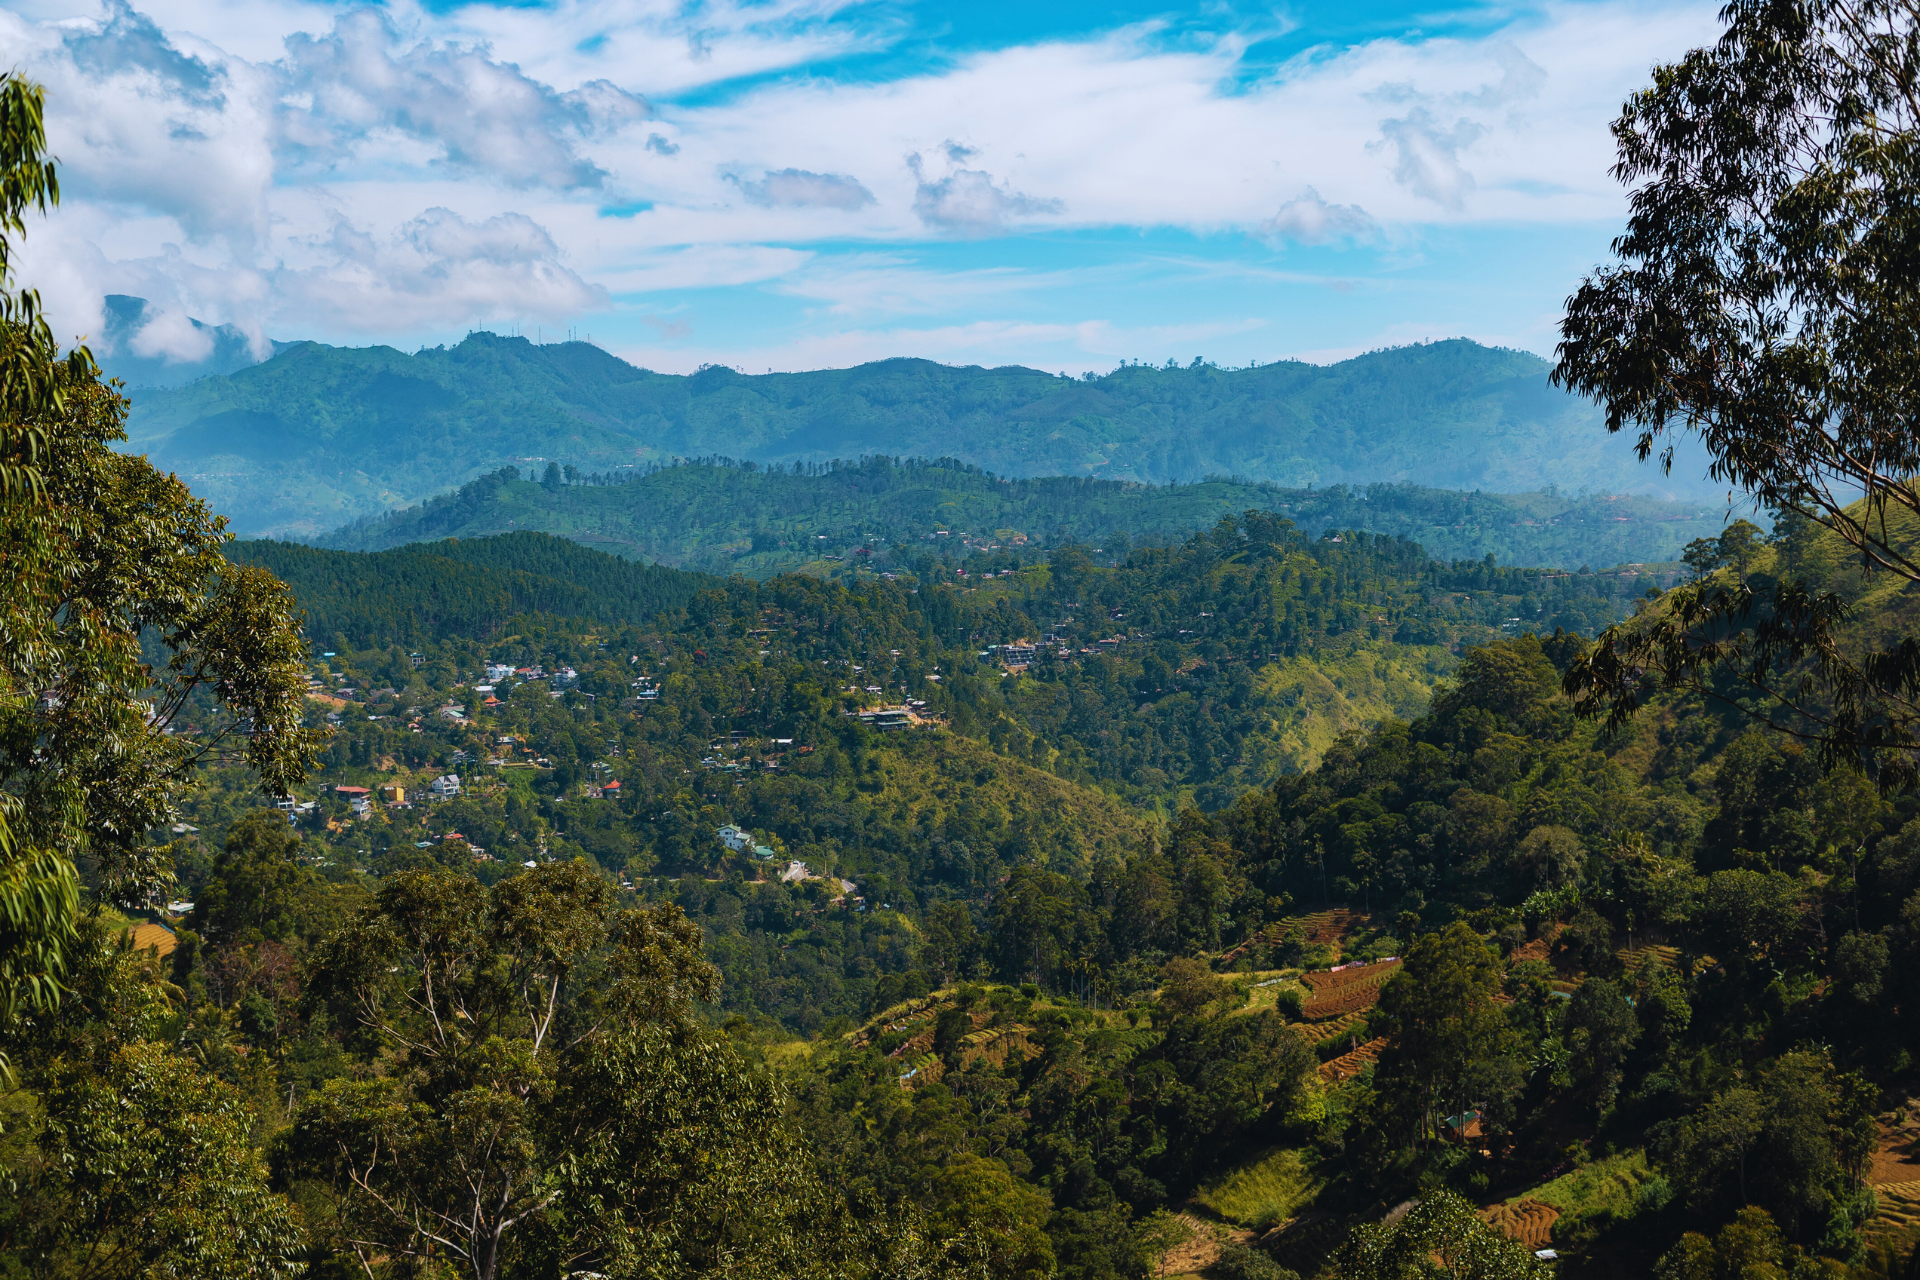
1210,180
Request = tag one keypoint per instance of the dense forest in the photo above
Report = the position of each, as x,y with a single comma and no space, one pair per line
737,517
1187,670
1601,989
319,436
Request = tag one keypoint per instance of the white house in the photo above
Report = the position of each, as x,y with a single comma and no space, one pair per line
497,671
445,787
740,842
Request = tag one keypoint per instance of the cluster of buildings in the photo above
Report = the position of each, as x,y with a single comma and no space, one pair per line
905,716
1019,655
497,672
393,795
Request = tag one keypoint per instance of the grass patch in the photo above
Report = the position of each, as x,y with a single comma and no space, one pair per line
1613,1183
1267,997
1593,1198
1258,1195
789,1053
115,919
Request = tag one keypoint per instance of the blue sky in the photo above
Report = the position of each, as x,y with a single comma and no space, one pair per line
807,183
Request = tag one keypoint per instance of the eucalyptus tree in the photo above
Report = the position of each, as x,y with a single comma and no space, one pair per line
1766,299
549,1100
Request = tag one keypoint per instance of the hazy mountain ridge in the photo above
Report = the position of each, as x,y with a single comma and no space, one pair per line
318,436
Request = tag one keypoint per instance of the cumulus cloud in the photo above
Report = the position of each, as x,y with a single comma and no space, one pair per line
143,124
799,189
1427,157
968,202
271,171
1310,220
343,89
603,107
440,268
130,42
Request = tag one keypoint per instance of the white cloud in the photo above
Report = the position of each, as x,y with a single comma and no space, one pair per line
1308,219
173,336
714,266
890,284
969,202
799,189
439,269
1427,157
140,120
267,164
347,87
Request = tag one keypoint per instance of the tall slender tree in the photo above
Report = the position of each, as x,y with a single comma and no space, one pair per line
1766,301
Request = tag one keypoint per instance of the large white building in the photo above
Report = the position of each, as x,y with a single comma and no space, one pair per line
740,841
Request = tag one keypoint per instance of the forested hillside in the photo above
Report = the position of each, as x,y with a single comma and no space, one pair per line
471,588
1192,669
1025,991
742,518
318,436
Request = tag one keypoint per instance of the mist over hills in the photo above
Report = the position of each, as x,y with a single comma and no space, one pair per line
148,348
319,436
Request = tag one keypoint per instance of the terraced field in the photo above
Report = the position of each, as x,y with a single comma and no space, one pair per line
996,1044
1349,1065
1315,1032
1899,1213
1528,1221
1644,957
1337,992
902,1016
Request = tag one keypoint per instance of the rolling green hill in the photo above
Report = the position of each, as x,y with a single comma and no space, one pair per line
453,588
1189,671
318,436
762,521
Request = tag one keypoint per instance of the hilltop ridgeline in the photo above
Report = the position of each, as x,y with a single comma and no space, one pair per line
318,436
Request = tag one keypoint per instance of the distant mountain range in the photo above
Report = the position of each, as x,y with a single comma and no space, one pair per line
319,436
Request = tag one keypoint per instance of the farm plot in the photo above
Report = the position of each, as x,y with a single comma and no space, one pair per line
1349,1065
1528,1221
1336,992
